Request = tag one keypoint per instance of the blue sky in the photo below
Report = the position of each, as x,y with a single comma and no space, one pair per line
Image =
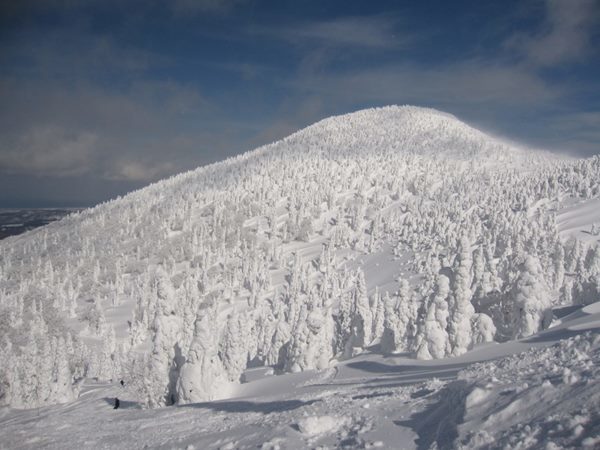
101,97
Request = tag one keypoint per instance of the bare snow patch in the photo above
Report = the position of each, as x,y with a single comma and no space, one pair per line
580,219
319,425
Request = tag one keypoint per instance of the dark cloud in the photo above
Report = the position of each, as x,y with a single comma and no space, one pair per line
187,7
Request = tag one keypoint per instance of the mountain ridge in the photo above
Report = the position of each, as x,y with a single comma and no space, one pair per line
364,119
294,255
531,155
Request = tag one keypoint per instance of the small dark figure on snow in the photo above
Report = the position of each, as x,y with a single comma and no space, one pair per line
117,403
122,383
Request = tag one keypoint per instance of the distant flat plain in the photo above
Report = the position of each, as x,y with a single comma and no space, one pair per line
14,221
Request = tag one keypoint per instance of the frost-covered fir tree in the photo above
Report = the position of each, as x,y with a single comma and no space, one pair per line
311,343
461,311
246,233
202,376
166,355
432,339
400,317
363,324
483,329
533,298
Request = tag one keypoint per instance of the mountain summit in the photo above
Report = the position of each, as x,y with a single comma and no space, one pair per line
410,129
396,229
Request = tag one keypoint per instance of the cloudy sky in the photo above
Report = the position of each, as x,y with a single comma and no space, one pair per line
101,97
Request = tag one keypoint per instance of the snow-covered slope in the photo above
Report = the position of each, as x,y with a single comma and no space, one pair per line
389,230
540,392
418,131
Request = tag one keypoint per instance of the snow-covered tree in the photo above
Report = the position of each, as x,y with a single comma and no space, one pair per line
533,299
244,234
202,376
461,311
400,318
432,340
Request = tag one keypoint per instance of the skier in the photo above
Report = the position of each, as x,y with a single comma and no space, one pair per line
122,383
117,403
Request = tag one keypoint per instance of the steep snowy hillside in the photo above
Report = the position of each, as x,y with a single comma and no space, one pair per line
390,230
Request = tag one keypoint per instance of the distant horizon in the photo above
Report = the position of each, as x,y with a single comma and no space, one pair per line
33,207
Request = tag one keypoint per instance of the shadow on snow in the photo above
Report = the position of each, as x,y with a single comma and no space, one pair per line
438,422
242,406
123,404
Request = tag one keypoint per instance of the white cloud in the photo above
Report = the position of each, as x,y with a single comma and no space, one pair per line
366,32
470,82
74,53
565,34
577,132
133,134
139,171
50,151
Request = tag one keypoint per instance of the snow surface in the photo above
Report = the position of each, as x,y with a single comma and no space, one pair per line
387,278
580,219
534,393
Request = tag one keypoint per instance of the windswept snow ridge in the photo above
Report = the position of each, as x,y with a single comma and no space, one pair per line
397,229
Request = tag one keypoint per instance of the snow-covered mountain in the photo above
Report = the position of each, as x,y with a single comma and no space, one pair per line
391,230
